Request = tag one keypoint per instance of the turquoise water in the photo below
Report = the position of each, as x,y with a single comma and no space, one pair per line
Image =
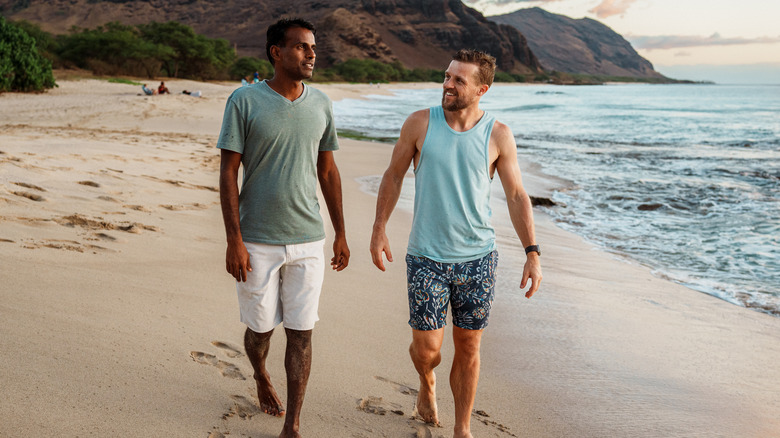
682,178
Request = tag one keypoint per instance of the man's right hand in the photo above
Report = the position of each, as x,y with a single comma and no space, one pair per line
237,261
379,245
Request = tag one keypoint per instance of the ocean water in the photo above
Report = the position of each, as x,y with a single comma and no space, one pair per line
684,179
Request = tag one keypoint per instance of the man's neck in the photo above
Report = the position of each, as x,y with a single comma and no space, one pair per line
286,87
465,119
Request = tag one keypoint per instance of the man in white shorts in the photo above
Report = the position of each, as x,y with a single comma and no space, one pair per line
283,134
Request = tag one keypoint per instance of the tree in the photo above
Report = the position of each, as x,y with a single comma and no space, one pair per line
113,49
248,65
22,68
193,55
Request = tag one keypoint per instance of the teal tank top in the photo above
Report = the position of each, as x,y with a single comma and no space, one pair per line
452,212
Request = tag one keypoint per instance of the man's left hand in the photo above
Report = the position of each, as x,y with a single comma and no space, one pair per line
532,271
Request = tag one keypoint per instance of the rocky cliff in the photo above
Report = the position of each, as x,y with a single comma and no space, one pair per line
419,33
577,46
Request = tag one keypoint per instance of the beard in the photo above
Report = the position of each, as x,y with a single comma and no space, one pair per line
459,103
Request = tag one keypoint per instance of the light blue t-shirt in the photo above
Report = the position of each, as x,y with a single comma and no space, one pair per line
279,141
452,212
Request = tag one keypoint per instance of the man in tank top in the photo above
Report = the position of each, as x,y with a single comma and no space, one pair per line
282,132
451,257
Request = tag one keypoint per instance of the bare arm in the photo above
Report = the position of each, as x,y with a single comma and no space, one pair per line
330,182
518,201
407,147
237,257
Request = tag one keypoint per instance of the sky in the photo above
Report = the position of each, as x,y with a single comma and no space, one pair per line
719,40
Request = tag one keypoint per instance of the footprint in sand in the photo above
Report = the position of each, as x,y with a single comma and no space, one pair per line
89,183
244,407
225,368
107,237
30,196
375,405
400,387
483,416
77,220
180,207
138,208
30,186
230,350
423,432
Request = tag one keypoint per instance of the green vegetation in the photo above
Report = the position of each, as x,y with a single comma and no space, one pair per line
174,50
192,55
22,68
370,70
123,81
355,135
149,50
561,78
248,65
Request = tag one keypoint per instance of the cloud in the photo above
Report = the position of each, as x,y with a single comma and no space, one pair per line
608,8
678,41
503,2
498,7
683,54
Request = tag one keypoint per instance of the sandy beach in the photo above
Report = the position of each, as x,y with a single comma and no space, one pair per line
117,317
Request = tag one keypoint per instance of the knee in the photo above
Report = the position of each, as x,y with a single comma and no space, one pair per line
300,338
467,346
423,354
254,339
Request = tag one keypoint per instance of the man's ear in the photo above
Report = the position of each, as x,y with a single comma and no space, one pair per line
275,53
483,89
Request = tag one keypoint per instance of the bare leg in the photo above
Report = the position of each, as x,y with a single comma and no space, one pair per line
464,377
297,362
426,355
256,345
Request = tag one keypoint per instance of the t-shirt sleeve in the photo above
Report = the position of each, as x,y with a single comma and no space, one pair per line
329,140
232,134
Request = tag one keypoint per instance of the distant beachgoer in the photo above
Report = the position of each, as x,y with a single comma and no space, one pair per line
148,91
192,93
162,89
283,133
244,81
256,78
451,257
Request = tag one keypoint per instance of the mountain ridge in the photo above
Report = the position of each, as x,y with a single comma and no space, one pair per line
416,33
580,45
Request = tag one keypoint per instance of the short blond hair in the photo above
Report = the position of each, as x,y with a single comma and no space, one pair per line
485,62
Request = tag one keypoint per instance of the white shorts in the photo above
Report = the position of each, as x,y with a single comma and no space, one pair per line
284,285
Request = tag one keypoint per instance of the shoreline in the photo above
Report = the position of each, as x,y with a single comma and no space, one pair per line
115,297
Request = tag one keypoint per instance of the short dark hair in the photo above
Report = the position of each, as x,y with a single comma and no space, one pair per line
485,62
278,31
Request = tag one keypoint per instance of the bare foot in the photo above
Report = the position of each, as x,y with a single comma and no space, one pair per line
289,433
426,401
266,395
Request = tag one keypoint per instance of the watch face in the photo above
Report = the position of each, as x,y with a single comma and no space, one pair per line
532,248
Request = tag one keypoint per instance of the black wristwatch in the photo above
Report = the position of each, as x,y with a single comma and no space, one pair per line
531,248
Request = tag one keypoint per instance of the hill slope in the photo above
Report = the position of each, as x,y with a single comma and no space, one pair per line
577,46
417,33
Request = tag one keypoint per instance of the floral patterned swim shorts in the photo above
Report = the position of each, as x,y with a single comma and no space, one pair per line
432,286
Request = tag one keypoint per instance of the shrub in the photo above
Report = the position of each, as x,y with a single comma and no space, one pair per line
248,65
22,68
